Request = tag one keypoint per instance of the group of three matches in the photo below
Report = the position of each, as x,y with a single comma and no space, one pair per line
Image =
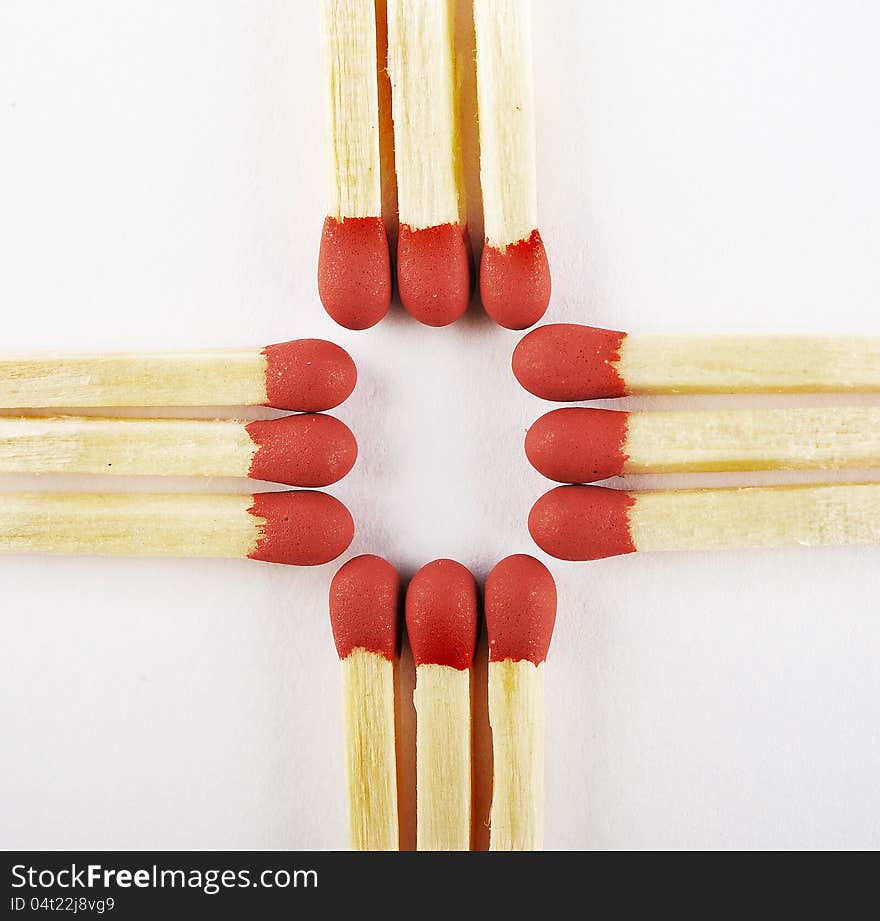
442,624
434,251
300,527
567,362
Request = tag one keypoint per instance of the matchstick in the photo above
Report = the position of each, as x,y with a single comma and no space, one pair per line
567,362
310,449
592,522
520,604
305,375
301,528
354,269
578,445
433,249
442,620
514,274
364,614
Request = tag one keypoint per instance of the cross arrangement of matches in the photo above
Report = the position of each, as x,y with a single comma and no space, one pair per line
302,528
442,622
364,614
566,362
433,249
354,267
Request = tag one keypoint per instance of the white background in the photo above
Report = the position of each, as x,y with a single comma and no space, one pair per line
704,166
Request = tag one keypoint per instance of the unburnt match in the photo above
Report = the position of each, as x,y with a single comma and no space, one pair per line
592,522
354,268
578,445
442,622
514,273
297,527
567,362
520,604
433,249
310,449
305,375
364,614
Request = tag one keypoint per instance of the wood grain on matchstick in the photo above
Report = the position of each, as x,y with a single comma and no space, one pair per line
354,270
578,445
433,253
364,614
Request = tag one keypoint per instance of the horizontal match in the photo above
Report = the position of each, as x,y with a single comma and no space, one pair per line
566,362
592,522
304,375
297,527
309,449
579,445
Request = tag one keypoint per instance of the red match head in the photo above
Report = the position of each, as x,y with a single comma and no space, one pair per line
365,607
309,449
582,522
567,362
434,272
520,606
575,445
442,615
308,375
515,282
300,527
354,271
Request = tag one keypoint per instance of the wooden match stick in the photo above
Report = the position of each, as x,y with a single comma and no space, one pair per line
301,528
442,621
567,362
433,249
364,614
303,450
520,603
305,375
592,522
578,445
354,268
514,274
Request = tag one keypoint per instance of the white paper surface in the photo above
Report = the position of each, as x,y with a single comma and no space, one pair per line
703,166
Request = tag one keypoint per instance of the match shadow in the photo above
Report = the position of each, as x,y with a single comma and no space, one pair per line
481,736
405,724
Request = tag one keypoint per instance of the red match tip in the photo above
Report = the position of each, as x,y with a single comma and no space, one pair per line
566,362
520,606
305,450
308,375
365,607
442,616
515,282
576,445
582,522
302,528
354,271
434,272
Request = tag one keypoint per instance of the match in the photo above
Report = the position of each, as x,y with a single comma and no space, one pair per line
514,273
298,527
354,267
579,445
364,614
433,247
309,450
442,622
305,375
520,603
593,522
567,362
